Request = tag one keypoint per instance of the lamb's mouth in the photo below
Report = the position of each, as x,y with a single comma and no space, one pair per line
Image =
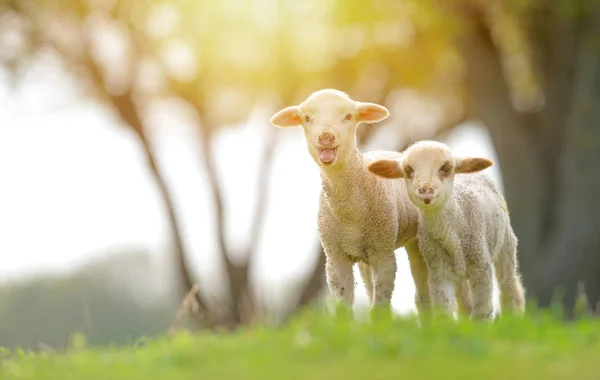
327,155
427,199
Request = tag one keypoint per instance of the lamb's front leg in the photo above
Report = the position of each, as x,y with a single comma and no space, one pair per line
418,270
367,276
482,285
340,277
442,291
464,300
384,274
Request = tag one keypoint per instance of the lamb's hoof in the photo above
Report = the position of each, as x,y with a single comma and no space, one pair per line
381,311
483,317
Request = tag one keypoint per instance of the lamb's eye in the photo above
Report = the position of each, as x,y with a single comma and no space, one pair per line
445,170
408,171
348,117
307,119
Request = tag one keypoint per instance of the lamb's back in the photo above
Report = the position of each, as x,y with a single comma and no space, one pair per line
483,207
381,155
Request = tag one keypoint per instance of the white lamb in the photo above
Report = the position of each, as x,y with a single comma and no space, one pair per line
464,227
362,218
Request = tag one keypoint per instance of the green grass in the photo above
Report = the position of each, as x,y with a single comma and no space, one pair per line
317,346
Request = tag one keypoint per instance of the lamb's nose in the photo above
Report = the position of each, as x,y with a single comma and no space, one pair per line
326,137
425,190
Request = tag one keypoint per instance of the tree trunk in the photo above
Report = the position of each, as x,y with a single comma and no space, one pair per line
186,279
575,243
128,111
548,158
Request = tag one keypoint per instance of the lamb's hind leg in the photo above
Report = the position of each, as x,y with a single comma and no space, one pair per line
367,276
512,295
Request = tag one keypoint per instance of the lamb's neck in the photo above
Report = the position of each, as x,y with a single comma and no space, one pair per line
442,215
347,175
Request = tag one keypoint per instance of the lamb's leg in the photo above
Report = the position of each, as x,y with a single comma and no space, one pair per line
384,274
482,286
442,292
340,278
367,276
512,295
464,299
418,270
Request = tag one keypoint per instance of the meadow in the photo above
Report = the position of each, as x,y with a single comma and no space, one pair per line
317,345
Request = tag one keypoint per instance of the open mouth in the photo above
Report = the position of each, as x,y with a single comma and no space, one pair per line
427,199
327,155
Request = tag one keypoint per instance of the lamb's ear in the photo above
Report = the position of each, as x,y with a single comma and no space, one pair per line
287,117
370,112
386,169
472,164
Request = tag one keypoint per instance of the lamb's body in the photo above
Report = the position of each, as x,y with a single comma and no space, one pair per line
358,210
464,229
468,237
363,219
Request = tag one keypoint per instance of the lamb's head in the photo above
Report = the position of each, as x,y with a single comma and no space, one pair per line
428,169
329,119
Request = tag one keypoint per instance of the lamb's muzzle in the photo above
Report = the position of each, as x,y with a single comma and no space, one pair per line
426,193
326,144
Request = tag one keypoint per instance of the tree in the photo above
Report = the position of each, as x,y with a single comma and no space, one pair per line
76,52
549,154
70,30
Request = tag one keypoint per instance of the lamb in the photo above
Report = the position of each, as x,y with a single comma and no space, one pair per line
464,228
362,218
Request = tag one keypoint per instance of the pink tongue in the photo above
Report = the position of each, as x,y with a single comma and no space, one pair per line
327,155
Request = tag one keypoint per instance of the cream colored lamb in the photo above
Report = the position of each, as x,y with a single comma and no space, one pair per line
464,227
362,218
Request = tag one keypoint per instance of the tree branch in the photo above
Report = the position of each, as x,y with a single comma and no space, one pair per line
126,108
233,272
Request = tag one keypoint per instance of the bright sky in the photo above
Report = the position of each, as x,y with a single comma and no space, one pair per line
74,186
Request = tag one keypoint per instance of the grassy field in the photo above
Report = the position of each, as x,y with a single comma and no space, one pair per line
317,346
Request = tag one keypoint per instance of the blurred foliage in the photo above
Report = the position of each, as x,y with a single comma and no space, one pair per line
223,56
97,301
316,346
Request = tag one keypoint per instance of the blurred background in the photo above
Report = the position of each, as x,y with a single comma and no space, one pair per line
137,158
